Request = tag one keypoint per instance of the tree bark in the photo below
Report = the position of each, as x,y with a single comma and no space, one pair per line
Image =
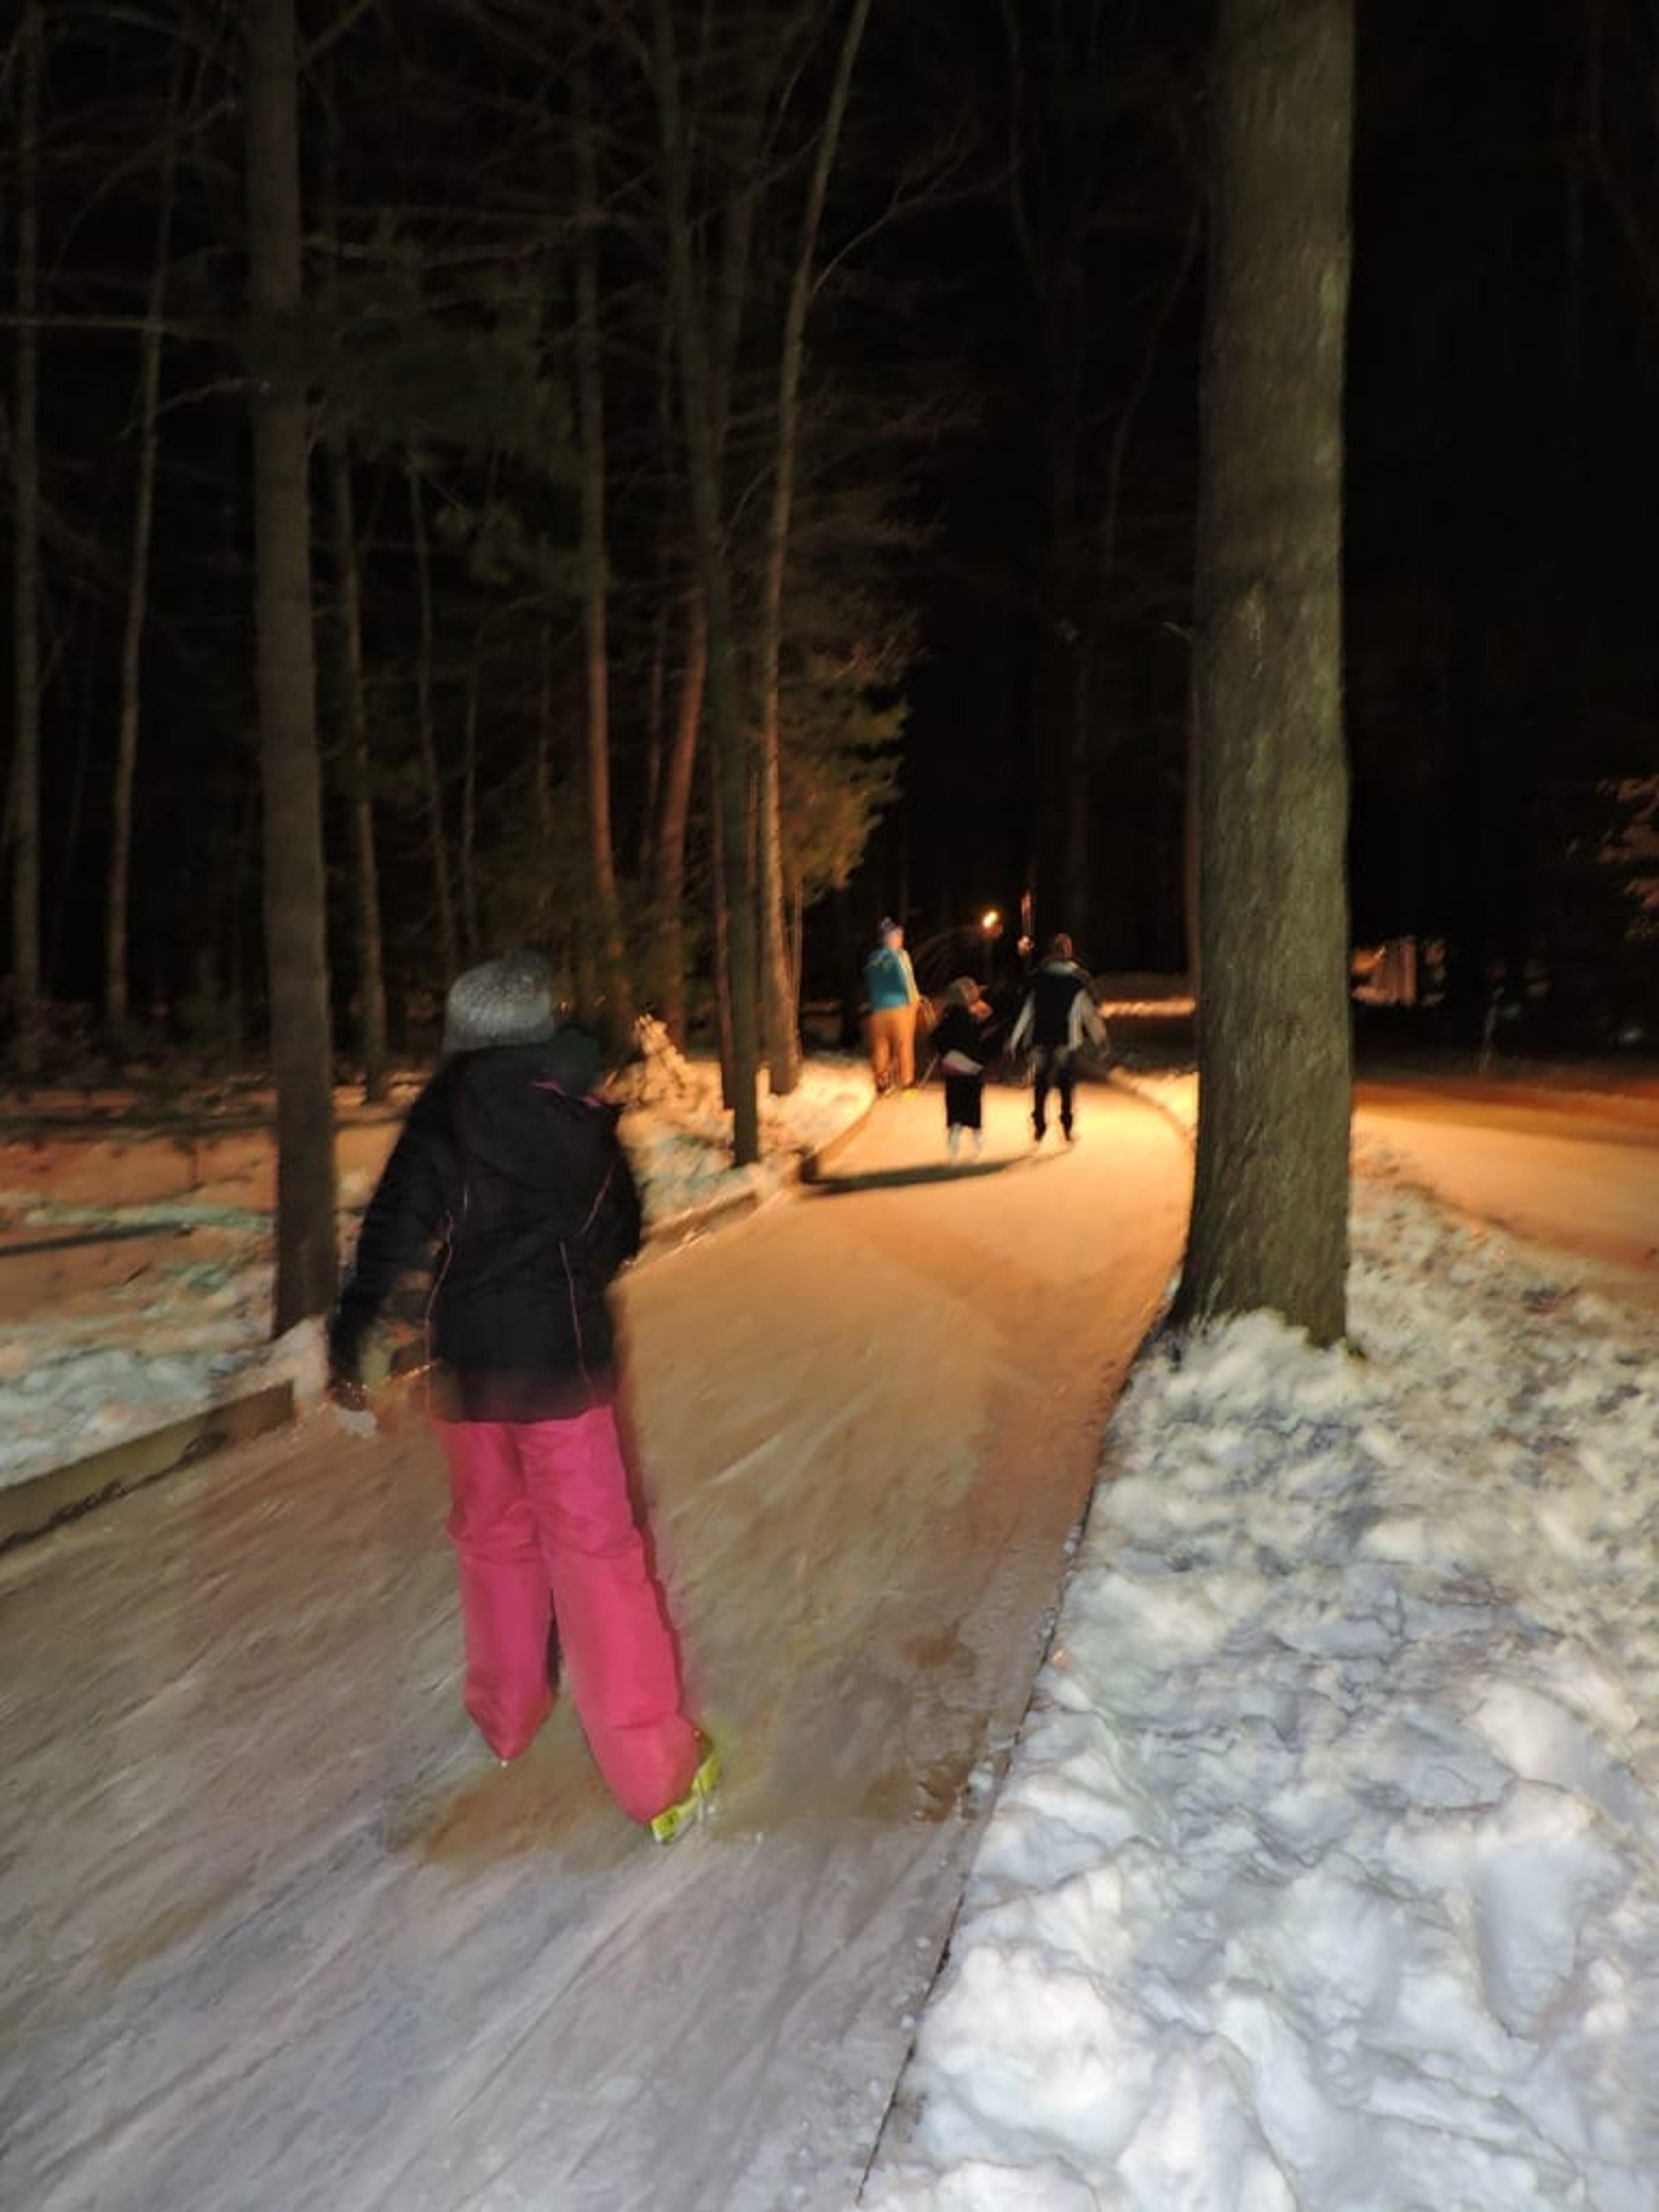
1269,1225
116,1010
437,839
23,806
295,950
371,949
729,745
347,586
590,412
544,829
469,839
674,815
780,1017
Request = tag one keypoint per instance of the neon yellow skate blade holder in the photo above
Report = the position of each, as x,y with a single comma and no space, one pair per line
674,1820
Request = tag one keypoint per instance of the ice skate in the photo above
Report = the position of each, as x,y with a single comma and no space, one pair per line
686,1812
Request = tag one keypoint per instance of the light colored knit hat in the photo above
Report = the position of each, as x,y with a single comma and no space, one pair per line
506,1001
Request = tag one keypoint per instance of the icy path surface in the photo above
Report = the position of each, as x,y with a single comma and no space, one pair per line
277,1936
1576,1174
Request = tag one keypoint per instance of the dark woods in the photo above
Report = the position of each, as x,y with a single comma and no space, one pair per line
749,451
566,307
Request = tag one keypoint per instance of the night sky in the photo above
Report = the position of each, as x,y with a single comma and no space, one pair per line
1501,465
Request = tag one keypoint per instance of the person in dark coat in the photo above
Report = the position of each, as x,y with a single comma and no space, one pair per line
1057,1018
958,1039
509,1184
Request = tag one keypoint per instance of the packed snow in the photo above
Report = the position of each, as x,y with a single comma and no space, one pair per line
1326,1872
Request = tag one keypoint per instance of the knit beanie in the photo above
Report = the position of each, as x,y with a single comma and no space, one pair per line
506,1001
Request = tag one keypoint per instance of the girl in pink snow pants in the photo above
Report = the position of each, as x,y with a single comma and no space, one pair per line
508,1182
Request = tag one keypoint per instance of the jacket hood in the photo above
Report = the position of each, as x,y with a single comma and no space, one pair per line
527,1110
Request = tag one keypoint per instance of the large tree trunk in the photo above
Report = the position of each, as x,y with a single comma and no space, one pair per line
24,796
727,732
1269,1226
590,412
777,991
116,1012
295,950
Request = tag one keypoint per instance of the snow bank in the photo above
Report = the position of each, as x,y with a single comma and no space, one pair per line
1327,1872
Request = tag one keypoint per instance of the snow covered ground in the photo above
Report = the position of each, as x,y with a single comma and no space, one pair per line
1326,1875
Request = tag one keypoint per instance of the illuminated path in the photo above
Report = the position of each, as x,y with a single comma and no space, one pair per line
279,1938
1577,1170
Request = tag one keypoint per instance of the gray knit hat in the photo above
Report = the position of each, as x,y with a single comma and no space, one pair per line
507,1001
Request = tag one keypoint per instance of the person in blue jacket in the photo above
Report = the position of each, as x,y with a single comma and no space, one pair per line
890,988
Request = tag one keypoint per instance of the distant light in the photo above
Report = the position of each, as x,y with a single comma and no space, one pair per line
990,920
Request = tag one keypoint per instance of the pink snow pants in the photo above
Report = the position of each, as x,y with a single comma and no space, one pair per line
545,1533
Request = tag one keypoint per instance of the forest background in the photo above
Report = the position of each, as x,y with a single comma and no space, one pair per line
706,414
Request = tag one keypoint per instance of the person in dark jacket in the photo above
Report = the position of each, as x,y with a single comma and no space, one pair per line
508,1182
1057,1018
958,1040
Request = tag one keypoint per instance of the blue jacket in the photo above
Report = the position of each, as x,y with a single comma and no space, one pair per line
889,979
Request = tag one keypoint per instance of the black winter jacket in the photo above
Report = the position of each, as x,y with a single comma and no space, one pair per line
511,1185
957,1031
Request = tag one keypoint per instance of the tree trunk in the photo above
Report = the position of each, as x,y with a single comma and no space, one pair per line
1269,1226
656,725
719,928
590,412
545,733
371,949
469,851
371,943
780,1011
437,840
117,1009
729,747
23,807
295,950
1059,687
674,817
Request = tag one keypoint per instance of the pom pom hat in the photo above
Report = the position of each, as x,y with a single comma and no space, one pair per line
506,1001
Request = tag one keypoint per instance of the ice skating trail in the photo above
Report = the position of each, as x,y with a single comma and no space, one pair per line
279,1937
